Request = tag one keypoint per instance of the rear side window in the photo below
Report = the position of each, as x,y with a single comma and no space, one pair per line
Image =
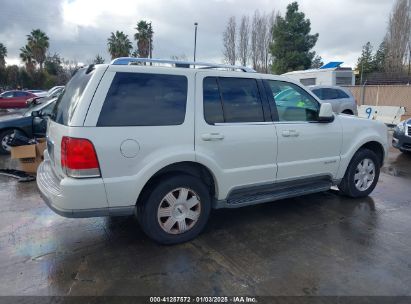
67,102
342,94
239,100
318,93
138,99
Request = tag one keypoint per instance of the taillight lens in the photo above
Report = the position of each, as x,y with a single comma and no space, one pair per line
79,158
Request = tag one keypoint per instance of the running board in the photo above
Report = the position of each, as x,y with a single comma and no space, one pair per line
273,192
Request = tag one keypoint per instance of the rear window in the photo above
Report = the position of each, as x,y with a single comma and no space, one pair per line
138,99
67,102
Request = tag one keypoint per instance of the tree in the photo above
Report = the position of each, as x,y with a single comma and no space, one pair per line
144,38
243,45
292,41
98,59
3,55
365,63
379,57
119,45
38,42
317,62
254,40
26,55
53,64
229,41
398,36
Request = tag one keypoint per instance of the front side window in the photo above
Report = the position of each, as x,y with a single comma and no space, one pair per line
139,99
232,100
292,102
7,95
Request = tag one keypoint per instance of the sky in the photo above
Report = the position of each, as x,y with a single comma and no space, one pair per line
78,29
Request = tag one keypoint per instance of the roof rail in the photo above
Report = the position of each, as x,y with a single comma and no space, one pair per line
181,64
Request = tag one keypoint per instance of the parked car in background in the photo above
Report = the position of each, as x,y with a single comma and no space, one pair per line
32,123
15,99
54,90
39,93
402,136
52,93
168,144
341,99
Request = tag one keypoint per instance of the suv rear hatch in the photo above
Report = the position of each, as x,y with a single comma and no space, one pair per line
69,112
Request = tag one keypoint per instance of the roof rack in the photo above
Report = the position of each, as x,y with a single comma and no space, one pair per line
179,64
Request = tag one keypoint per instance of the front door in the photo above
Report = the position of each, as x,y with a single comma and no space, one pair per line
306,147
235,136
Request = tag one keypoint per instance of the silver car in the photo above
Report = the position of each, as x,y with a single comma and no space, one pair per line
340,98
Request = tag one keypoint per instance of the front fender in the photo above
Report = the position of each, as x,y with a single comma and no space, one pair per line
356,133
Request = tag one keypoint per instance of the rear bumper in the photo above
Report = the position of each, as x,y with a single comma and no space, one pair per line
74,198
401,141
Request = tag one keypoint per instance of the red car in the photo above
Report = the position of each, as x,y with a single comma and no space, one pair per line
15,99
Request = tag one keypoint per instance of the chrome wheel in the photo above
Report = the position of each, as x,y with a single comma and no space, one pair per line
4,143
364,174
179,211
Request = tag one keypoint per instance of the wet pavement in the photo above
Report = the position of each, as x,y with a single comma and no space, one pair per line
322,244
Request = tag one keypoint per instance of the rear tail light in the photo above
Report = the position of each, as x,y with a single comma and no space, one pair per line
79,158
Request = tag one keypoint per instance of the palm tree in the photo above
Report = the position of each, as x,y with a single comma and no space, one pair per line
39,44
26,56
119,45
144,38
3,55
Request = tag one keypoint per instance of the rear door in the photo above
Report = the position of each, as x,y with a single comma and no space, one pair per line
234,133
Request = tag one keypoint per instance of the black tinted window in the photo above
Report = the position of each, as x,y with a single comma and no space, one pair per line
318,93
68,100
20,94
330,94
241,100
213,110
342,94
136,99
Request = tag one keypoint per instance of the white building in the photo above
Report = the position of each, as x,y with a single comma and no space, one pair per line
329,74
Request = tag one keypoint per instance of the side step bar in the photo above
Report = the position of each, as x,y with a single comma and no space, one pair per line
273,192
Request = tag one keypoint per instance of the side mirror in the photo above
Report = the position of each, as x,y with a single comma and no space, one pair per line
326,113
35,114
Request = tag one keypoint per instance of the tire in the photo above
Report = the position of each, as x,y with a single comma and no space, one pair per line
4,148
348,112
168,218
364,186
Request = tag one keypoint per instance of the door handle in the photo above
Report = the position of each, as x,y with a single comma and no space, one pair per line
290,133
212,136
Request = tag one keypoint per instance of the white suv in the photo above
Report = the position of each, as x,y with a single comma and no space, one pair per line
170,143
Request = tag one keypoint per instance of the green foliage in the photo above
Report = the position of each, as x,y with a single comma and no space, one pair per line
3,55
365,63
144,38
38,43
53,64
317,62
98,59
26,55
379,57
119,45
291,49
